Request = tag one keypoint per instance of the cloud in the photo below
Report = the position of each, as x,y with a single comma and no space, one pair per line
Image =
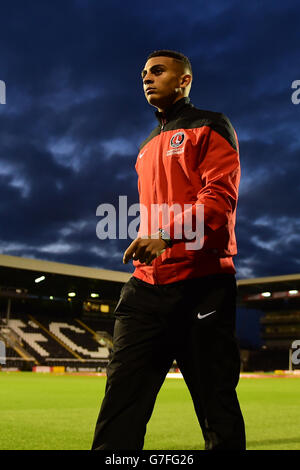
75,116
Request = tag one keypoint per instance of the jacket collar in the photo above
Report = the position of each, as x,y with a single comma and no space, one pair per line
173,111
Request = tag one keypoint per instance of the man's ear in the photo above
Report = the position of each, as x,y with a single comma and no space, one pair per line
186,80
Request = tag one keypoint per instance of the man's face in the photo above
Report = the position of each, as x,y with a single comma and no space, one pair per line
162,81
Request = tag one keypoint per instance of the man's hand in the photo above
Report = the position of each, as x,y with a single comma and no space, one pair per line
144,250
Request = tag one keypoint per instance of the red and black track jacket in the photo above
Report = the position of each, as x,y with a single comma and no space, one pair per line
191,158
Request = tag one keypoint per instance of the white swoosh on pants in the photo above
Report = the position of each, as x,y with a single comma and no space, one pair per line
206,315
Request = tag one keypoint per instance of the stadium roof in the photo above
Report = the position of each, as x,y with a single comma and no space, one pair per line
271,283
280,292
60,278
33,264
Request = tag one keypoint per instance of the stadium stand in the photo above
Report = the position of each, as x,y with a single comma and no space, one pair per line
276,303
53,314
55,342
280,328
66,318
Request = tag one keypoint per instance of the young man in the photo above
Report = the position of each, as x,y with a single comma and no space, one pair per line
180,303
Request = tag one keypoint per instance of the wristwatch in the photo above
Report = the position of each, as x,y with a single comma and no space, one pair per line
165,237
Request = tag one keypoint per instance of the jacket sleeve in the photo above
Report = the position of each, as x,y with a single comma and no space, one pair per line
212,215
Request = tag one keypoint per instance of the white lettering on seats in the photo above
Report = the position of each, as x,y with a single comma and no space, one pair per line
56,327
30,338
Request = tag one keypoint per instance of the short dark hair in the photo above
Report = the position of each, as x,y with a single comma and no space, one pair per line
174,54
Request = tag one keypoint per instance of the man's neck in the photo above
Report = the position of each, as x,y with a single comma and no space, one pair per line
164,110
171,111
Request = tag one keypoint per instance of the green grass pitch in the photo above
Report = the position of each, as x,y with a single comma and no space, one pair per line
58,412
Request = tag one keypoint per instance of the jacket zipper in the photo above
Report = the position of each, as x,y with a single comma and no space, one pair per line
155,276
163,123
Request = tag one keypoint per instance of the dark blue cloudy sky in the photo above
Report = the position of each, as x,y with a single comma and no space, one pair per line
75,115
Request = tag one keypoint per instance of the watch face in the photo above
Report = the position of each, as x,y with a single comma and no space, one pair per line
165,237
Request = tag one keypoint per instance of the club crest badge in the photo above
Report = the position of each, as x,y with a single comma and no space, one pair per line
177,139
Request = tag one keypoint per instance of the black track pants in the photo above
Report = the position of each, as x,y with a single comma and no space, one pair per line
192,321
